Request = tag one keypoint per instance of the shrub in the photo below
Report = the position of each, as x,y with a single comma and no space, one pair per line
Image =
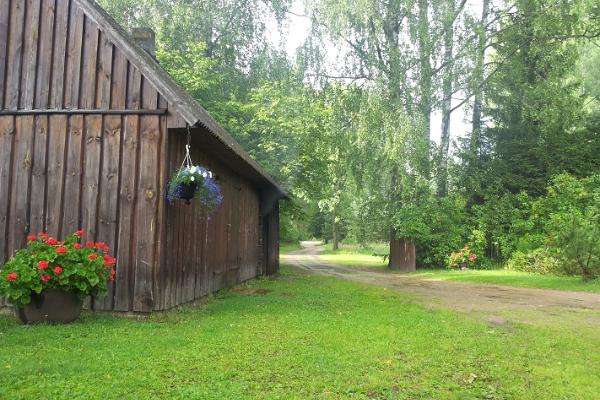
465,256
571,218
538,261
438,226
81,269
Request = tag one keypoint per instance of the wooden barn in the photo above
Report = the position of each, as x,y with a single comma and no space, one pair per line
91,129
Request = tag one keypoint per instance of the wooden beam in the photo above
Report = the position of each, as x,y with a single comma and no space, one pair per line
76,111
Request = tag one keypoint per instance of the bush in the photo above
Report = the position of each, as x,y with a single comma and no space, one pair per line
564,236
438,226
539,261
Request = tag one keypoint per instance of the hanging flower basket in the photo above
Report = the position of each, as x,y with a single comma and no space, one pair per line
182,191
194,182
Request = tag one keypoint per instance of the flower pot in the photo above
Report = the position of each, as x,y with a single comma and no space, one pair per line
51,306
462,266
183,191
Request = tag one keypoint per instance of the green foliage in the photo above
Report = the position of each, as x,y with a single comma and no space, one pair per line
46,263
563,231
438,225
570,214
504,220
539,261
465,257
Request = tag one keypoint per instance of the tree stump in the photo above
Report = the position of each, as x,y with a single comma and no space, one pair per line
403,255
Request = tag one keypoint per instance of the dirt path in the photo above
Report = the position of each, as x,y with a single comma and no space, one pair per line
497,304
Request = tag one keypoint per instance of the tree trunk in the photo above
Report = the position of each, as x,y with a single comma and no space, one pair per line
425,80
442,186
335,237
475,142
403,255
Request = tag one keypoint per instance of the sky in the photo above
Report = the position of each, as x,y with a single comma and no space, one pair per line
297,29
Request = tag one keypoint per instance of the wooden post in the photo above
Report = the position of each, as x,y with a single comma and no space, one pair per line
403,255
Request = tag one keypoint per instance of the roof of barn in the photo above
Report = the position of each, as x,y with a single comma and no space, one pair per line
180,101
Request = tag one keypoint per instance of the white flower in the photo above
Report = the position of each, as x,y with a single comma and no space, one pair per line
204,174
192,179
193,170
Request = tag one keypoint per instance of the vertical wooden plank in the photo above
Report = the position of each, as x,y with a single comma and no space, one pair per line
170,273
200,243
91,174
161,228
21,181
111,153
75,57
38,175
127,198
55,173
4,20
126,254
73,173
30,52
89,78
44,65
66,72
15,49
104,72
146,212
109,187
233,243
7,135
179,261
190,253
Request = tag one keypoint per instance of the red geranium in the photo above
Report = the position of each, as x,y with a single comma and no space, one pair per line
49,262
43,264
110,262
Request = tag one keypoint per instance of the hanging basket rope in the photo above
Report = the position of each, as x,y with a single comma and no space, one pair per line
194,181
187,160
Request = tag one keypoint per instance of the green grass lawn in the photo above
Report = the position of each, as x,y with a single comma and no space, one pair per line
285,248
356,257
351,255
312,337
355,260
513,278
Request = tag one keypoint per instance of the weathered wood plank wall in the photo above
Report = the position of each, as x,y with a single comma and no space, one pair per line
76,165
61,172
205,253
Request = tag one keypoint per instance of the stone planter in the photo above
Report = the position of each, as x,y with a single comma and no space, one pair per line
51,306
